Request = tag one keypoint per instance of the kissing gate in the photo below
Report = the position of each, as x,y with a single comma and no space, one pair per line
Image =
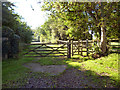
60,49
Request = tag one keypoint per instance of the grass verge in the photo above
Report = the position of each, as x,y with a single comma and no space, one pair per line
13,70
105,66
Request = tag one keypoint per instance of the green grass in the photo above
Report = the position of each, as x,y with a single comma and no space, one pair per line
110,61
13,69
51,61
108,64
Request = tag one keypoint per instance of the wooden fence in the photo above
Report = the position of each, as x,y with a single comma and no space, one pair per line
64,48
86,46
80,46
114,46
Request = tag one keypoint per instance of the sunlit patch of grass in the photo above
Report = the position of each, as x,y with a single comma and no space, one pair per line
110,61
73,64
91,65
107,65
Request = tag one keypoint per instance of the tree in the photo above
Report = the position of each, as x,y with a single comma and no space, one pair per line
101,18
13,21
102,14
14,30
74,18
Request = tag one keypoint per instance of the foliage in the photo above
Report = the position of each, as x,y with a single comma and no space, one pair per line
24,32
44,32
71,20
8,15
13,29
81,18
10,46
13,21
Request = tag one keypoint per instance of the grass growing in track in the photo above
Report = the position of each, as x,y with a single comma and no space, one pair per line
51,61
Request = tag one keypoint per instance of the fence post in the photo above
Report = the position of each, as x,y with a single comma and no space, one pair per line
92,45
87,46
72,47
69,49
78,46
81,47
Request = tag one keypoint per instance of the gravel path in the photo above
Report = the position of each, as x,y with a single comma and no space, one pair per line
51,69
71,78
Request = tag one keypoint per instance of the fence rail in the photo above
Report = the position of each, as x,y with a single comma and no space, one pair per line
46,50
66,48
114,46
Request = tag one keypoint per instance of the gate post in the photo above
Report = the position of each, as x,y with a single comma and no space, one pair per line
72,47
78,46
69,49
81,46
87,46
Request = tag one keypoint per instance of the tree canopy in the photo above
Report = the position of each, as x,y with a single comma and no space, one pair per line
79,16
79,20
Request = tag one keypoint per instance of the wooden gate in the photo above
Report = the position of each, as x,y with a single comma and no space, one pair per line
47,50
61,48
81,47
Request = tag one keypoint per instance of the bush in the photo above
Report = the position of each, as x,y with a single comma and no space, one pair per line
10,46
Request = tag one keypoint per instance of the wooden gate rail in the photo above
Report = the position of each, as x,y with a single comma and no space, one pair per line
65,48
33,48
77,47
54,50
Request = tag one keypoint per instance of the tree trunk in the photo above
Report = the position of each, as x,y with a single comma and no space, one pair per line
103,32
99,30
103,40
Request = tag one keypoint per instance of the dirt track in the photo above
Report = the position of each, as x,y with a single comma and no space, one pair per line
71,78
